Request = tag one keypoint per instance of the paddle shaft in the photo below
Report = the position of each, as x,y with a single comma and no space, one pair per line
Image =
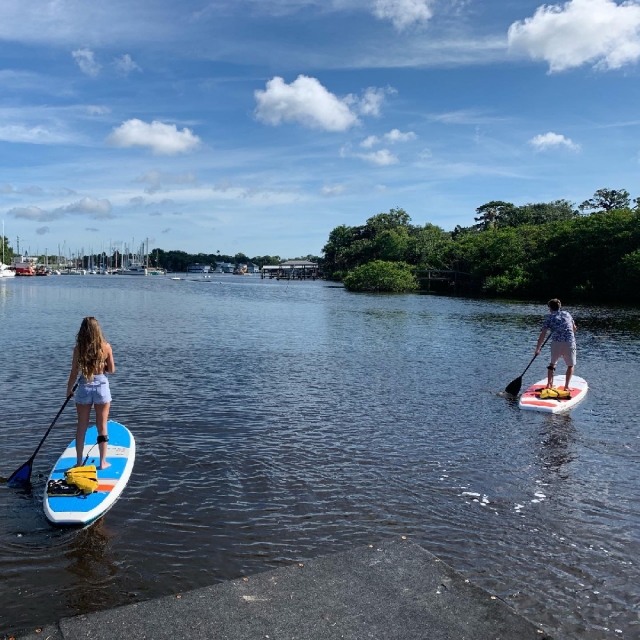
44,437
536,355
22,475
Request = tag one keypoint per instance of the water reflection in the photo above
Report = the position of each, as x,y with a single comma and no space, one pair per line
92,563
558,439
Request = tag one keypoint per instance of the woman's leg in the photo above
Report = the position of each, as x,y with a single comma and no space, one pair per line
102,415
84,412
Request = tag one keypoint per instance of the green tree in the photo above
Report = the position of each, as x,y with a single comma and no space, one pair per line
491,214
606,200
382,276
428,246
386,221
8,251
391,245
539,213
336,249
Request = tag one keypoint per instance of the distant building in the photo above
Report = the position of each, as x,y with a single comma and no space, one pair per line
198,268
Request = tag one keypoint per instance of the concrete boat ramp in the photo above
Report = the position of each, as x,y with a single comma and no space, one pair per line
390,591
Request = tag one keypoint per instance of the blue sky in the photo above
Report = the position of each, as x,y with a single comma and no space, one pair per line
260,125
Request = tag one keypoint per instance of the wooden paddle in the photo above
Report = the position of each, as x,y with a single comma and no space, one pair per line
22,476
513,388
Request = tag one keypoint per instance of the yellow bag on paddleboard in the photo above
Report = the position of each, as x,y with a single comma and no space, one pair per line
85,478
555,394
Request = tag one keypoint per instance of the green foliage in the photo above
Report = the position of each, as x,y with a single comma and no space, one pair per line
606,200
534,250
539,213
491,214
381,276
8,251
388,237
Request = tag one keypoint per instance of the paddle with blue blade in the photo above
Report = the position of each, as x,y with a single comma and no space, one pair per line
513,388
22,477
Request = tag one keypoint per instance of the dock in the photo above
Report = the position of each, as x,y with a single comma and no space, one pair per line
394,590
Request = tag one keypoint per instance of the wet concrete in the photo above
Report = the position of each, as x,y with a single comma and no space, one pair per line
393,590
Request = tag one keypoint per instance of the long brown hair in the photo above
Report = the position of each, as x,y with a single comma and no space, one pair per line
89,342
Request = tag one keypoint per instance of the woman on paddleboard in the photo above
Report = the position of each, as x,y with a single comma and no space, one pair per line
563,341
92,359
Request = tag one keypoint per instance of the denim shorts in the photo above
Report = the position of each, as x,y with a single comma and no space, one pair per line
94,392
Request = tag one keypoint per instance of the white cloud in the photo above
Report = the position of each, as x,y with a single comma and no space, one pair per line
369,142
87,63
306,101
371,102
403,13
382,157
97,110
333,191
155,180
97,209
164,139
395,135
32,213
125,65
30,135
223,185
580,31
550,140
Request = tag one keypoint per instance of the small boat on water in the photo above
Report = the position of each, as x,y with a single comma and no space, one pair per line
25,265
6,271
134,269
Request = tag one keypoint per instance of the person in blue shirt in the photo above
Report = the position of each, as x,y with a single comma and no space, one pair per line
563,341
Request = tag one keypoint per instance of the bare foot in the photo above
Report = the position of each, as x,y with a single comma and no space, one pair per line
104,466
549,386
567,388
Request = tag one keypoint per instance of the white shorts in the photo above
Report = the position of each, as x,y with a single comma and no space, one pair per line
564,350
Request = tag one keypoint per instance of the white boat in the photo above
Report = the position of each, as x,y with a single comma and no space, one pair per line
134,269
6,271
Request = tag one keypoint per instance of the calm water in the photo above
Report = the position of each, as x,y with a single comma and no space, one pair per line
277,422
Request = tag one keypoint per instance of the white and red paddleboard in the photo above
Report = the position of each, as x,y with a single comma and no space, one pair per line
530,399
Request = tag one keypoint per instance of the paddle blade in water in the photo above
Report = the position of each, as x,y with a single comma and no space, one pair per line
513,388
21,477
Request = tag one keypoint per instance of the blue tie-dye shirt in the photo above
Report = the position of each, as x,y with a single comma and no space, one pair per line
561,324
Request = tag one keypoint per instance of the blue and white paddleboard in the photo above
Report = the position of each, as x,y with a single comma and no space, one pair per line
83,509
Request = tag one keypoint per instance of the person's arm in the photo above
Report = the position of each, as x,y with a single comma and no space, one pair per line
543,333
110,364
74,372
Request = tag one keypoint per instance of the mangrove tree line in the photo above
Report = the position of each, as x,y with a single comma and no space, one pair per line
589,252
